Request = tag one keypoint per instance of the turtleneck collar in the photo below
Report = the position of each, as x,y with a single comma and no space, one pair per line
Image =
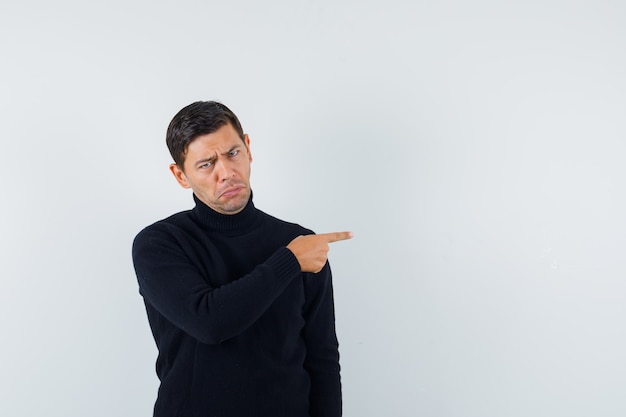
226,223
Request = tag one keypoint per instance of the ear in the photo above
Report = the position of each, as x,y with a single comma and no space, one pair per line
246,140
179,174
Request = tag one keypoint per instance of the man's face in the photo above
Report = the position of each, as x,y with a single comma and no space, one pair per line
217,169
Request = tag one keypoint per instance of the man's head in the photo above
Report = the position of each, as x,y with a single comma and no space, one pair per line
197,119
212,155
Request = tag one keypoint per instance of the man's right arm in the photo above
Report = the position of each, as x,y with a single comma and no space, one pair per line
175,287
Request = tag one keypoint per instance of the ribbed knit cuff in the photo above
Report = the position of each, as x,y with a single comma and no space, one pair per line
284,264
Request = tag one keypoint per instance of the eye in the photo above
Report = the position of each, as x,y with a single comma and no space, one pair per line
234,152
206,165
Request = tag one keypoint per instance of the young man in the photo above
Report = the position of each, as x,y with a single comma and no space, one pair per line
240,303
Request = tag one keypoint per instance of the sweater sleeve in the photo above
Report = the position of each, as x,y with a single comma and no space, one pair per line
322,358
172,285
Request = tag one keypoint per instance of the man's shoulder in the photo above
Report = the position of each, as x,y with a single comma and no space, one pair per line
178,221
275,222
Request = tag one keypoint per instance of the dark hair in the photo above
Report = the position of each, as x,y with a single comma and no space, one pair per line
199,118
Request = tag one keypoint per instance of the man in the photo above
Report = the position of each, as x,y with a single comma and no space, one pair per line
240,303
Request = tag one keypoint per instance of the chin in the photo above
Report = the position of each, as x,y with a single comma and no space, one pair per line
235,207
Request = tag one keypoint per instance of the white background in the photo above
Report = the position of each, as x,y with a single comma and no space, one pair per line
476,149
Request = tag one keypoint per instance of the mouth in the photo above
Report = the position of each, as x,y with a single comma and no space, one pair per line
231,191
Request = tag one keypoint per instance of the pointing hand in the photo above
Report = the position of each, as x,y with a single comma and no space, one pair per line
311,251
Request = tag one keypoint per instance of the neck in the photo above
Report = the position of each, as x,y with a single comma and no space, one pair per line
226,223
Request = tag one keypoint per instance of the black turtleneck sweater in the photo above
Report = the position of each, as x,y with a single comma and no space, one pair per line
241,331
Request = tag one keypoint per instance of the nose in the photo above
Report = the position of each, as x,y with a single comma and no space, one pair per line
224,171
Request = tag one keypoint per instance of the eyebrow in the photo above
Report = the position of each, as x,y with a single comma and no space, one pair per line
232,148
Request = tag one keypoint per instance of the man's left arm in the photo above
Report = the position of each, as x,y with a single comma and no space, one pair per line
322,348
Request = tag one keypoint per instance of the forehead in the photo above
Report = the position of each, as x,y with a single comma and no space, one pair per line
219,141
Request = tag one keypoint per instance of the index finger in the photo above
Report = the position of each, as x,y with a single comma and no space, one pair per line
336,236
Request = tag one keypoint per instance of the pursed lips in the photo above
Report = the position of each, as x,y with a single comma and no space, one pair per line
231,190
